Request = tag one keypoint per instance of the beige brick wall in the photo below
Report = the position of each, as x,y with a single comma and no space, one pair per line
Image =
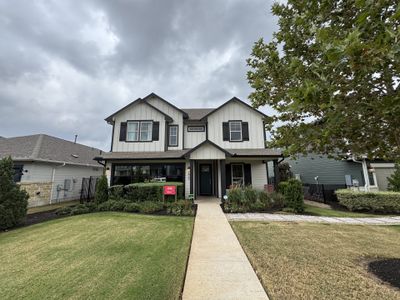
39,192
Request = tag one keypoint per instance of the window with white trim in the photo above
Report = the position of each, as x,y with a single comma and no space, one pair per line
173,135
132,134
235,131
237,174
139,131
146,130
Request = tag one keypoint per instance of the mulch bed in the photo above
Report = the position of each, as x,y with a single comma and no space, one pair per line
387,270
41,217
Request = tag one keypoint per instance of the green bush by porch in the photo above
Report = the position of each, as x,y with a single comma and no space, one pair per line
145,191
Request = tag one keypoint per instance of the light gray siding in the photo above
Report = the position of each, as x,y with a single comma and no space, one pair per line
383,171
207,152
236,111
139,112
192,139
329,171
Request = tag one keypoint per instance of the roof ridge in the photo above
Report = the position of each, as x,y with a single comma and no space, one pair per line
38,145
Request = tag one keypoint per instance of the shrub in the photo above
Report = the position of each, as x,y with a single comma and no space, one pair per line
117,205
81,209
152,191
13,200
249,196
64,211
132,207
149,207
394,179
282,186
101,194
293,193
105,206
116,192
180,208
381,202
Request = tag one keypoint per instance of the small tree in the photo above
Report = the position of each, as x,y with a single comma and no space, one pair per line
101,190
294,199
394,179
13,200
284,171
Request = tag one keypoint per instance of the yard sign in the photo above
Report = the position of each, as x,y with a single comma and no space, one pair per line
169,190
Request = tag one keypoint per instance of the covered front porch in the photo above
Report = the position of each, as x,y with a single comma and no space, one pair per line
212,170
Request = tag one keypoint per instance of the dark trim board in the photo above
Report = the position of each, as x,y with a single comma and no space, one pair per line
152,94
207,142
177,135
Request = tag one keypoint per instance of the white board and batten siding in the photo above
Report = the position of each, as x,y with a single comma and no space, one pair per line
139,112
207,152
192,139
236,111
175,114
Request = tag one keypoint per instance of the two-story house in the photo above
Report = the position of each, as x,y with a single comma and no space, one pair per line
208,149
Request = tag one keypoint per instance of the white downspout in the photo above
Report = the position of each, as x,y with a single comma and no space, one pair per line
53,175
365,172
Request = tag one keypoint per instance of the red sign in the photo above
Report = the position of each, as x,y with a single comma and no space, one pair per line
169,190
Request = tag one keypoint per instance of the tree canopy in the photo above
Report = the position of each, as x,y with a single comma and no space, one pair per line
331,72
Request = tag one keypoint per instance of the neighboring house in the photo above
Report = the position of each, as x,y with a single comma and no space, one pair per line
345,172
48,168
208,149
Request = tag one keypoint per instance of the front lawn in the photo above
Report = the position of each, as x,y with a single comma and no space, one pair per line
318,261
326,212
96,256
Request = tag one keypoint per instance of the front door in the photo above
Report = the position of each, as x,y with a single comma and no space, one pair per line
205,179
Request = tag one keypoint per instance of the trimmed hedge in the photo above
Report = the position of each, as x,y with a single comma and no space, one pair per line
380,202
178,208
241,200
141,192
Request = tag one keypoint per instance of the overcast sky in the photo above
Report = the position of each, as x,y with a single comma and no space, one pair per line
66,65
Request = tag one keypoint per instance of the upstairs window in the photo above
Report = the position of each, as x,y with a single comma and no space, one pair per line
146,128
139,131
173,135
235,131
133,131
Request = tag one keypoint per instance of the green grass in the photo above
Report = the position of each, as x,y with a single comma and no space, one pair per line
96,256
318,261
50,207
326,212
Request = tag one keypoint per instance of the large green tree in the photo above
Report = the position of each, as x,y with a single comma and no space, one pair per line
332,73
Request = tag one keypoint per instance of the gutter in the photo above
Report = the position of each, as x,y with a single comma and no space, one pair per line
365,172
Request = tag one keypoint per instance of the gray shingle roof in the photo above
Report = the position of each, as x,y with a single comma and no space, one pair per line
180,154
41,147
197,113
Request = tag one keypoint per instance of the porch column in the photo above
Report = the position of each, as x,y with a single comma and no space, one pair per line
223,178
191,176
276,171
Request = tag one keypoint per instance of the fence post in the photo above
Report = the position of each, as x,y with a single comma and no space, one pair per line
323,193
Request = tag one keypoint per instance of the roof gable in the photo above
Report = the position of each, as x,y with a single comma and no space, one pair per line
236,100
109,119
154,95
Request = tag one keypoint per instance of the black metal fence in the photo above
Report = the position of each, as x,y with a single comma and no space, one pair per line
88,188
321,192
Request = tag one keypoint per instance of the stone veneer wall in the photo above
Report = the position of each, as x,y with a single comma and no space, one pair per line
39,192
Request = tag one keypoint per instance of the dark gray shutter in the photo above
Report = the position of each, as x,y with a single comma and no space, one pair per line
247,174
156,130
225,131
228,176
122,132
245,131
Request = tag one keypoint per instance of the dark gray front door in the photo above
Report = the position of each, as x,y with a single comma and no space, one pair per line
205,179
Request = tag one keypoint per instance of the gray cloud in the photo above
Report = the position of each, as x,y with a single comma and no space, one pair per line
65,66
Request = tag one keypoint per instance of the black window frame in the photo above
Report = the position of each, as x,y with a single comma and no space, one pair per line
139,140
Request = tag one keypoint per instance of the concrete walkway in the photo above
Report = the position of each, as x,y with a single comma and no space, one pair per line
313,219
218,267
